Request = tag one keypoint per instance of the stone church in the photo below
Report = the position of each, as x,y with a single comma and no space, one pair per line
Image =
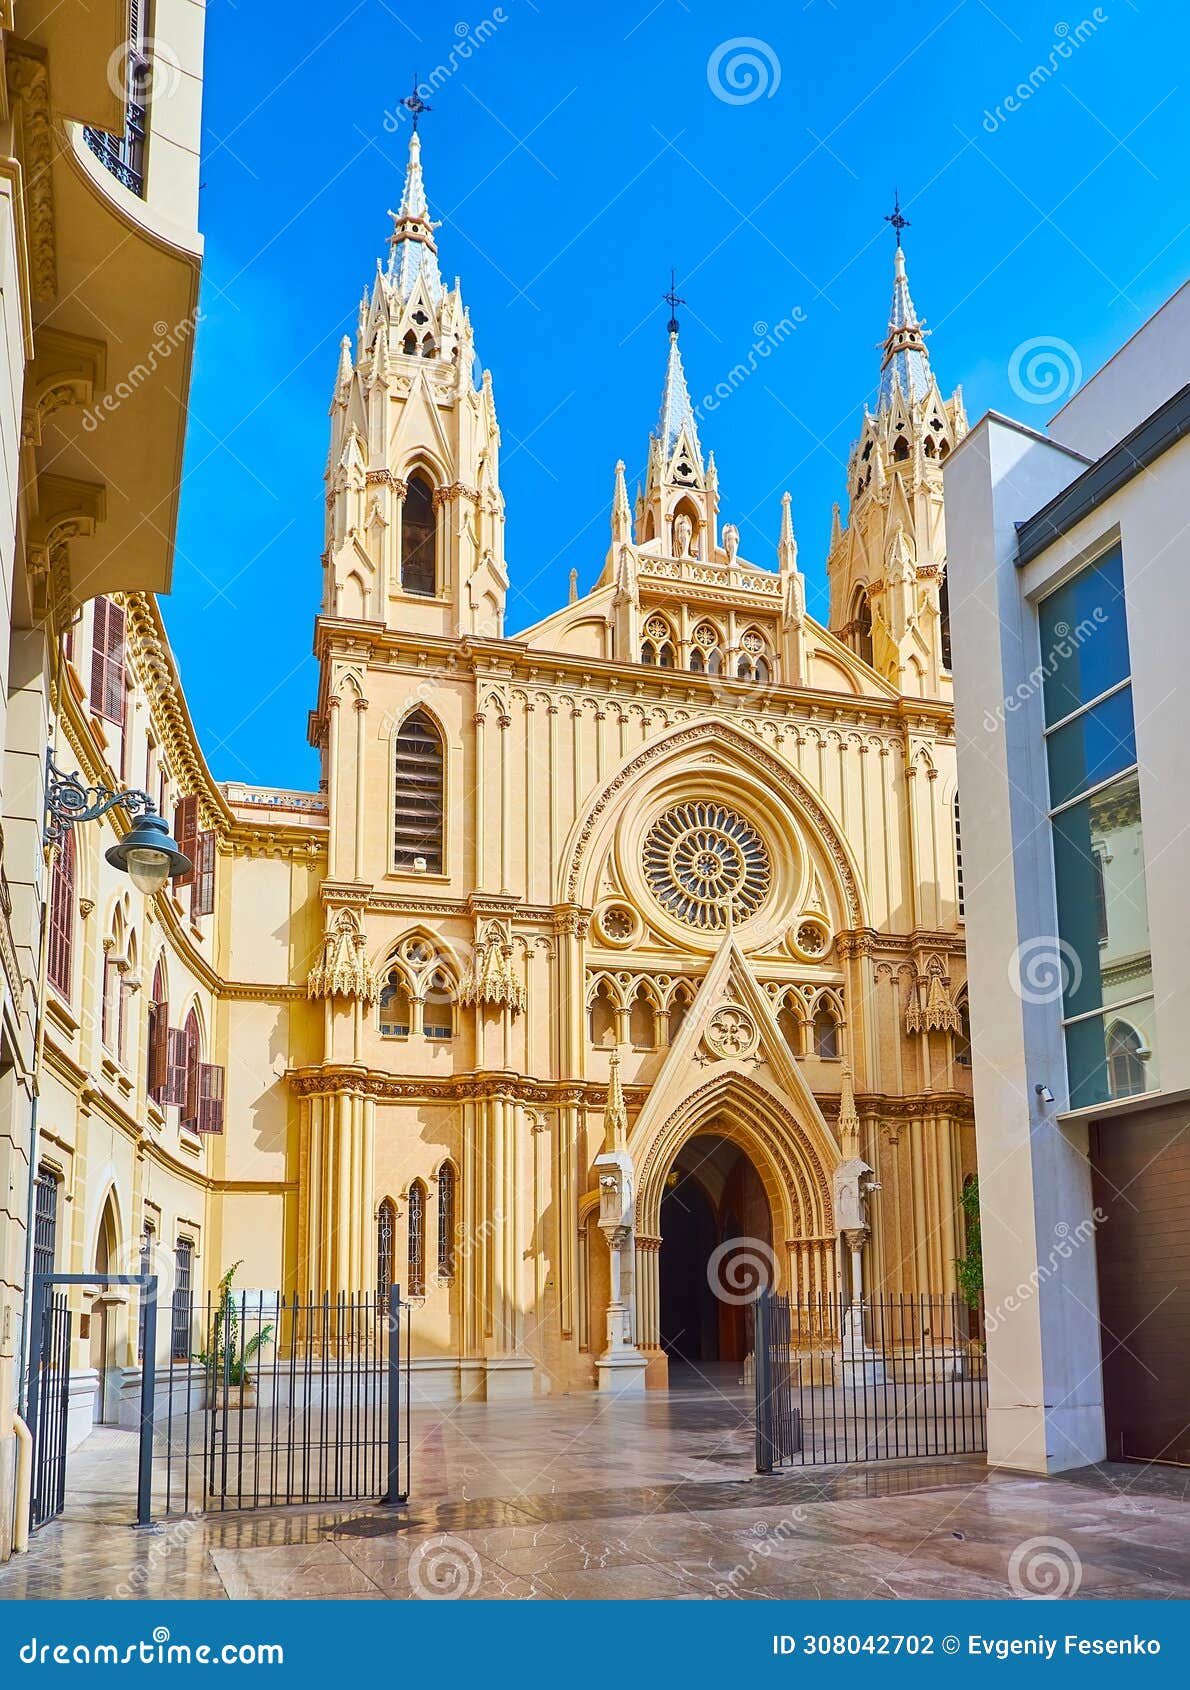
615,962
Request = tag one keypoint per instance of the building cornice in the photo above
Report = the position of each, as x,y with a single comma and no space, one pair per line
515,662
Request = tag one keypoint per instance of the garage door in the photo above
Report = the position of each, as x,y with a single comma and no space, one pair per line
1141,1168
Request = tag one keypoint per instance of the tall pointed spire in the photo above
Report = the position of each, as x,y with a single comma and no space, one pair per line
615,1110
906,361
677,413
786,545
621,513
413,254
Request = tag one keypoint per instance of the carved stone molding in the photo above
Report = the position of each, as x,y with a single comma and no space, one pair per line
29,92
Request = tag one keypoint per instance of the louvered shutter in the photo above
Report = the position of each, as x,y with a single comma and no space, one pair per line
186,834
190,1105
203,892
99,655
113,680
175,1067
210,1098
158,1075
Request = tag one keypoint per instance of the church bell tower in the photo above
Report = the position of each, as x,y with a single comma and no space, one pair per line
887,567
414,513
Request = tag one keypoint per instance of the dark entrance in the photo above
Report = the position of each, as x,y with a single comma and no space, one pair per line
716,1247
1141,1182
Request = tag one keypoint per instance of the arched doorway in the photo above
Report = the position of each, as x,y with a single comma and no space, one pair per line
104,1312
716,1246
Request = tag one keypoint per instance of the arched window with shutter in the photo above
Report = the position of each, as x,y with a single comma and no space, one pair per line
446,1221
158,1066
419,538
61,934
418,796
417,1239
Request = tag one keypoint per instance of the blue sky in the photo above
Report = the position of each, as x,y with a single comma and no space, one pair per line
575,154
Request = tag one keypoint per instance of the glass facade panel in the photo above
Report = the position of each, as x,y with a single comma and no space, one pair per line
1102,912
1112,1055
1099,863
1084,637
1096,745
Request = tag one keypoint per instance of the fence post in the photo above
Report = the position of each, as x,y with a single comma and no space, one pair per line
148,1404
393,1493
762,1371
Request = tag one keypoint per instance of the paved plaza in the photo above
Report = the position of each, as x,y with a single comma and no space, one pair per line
579,1497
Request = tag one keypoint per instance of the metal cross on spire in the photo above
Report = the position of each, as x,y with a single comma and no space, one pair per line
894,216
673,299
414,103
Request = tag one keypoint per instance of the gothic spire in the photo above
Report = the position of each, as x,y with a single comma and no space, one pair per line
906,360
615,1110
413,254
677,413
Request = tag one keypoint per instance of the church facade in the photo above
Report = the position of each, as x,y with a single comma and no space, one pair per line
663,891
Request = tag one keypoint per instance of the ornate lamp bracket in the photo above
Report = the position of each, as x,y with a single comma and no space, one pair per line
68,801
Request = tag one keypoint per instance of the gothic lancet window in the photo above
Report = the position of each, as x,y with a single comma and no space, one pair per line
419,524
446,1221
386,1231
396,1010
417,1239
944,619
861,618
706,656
418,800
826,1033
657,647
601,1017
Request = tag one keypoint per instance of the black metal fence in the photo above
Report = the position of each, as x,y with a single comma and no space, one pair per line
887,1377
281,1399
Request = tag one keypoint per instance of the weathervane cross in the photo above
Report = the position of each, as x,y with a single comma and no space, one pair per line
673,299
414,103
894,216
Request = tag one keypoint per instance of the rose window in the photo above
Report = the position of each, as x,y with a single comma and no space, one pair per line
700,860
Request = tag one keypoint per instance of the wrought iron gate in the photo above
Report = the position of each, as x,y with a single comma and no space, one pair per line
265,1400
271,1400
51,1331
885,1378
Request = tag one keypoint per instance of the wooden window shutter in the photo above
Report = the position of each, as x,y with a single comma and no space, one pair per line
113,669
210,1098
175,1065
202,896
186,834
158,1075
99,656
190,1106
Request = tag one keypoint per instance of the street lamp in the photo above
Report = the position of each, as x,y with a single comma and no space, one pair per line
148,854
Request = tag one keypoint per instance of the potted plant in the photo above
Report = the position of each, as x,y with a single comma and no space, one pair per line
227,1362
